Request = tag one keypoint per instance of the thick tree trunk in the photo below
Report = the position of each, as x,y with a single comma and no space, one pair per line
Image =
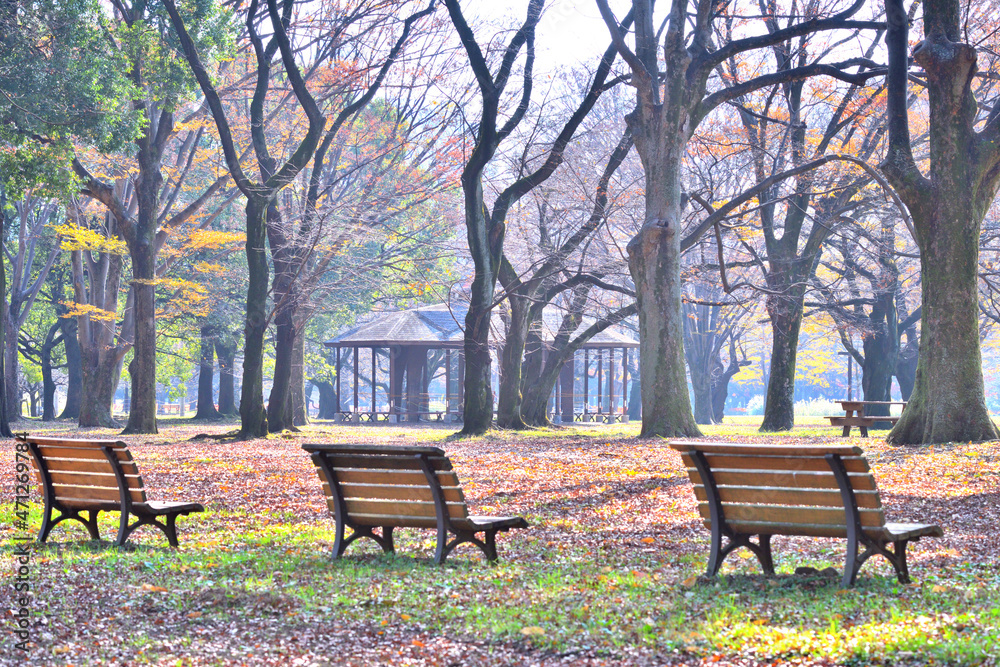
100,380
477,417
785,311
206,373
253,419
279,404
327,408
881,347
74,371
300,416
906,367
142,369
10,367
701,384
654,262
225,349
48,384
509,397
948,402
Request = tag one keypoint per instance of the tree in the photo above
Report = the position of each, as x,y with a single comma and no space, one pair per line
260,194
948,206
30,265
145,35
486,228
669,108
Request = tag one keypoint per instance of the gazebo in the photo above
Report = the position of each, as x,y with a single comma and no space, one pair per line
591,383
414,363
406,339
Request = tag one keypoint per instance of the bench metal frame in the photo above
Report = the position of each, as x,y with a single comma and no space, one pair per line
168,527
444,524
725,540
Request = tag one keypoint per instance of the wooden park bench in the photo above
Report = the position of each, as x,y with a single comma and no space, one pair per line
766,490
854,415
97,476
400,486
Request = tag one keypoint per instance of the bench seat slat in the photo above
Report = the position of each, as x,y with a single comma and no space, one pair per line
89,465
66,492
83,453
765,450
774,463
94,479
777,496
402,508
860,421
790,515
397,492
394,462
788,479
400,477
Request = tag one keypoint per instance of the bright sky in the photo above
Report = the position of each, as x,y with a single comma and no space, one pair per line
570,32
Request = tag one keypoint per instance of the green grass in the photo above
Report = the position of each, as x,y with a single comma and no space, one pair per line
558,597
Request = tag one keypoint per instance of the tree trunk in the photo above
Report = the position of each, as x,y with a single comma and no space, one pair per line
253,419
225,350
10,366
477,417
48,384
206,372
327,408
786,320
74,371
701,383
300,416
279,404
654,262
142,368
509,397
881,347
948,402
906,367
100,380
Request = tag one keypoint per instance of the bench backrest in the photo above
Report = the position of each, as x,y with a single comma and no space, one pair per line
387,485
81,475
783,489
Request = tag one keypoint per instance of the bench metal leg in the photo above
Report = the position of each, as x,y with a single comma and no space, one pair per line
488,546
341,543
91,524
48,523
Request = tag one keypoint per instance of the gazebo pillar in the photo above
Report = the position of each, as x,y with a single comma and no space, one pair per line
586,384
397,363
611,384
447,385
415,363
355,416
340,366
566,390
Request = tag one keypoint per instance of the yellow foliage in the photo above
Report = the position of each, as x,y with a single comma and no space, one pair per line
80,238
85,309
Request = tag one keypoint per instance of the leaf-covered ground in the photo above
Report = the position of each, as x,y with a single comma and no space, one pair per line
606,575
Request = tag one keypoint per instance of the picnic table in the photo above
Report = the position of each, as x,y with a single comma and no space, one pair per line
855,415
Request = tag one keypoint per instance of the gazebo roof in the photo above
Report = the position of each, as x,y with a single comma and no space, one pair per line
440,326
437,326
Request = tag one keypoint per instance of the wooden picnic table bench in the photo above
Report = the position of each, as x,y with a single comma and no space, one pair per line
97,476
395,486
821,491
854,415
